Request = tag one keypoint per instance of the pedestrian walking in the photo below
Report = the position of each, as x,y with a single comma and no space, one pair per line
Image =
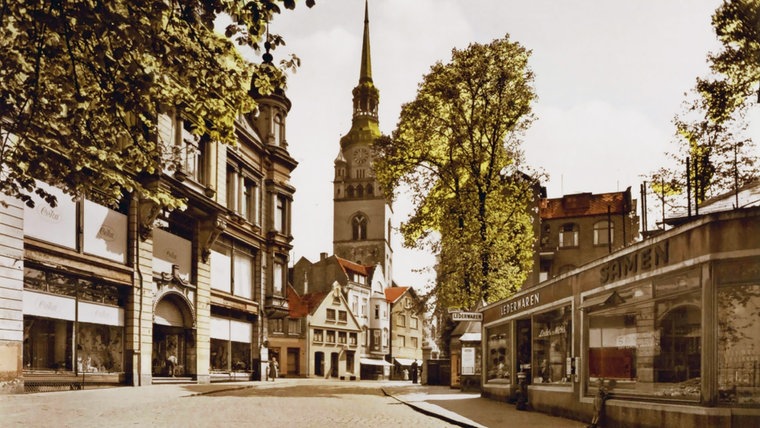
274,368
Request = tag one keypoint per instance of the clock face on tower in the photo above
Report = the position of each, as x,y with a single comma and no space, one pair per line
361,155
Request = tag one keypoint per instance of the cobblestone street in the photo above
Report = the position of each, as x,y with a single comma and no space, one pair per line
286,403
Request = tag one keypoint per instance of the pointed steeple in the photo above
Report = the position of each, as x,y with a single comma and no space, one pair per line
365,74
366,97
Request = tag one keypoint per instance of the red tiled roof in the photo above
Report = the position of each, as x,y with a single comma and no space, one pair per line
393,293
354,267
585,204
301,306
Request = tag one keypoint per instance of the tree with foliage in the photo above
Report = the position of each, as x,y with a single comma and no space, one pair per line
737,65
456,150
711,130
84,83
720,155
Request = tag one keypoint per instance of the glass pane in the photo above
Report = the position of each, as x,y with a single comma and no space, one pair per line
499,354
100,349
47,344
739,344
552,345
650,347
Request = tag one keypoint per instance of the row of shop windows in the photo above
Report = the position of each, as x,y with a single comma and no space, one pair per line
647,338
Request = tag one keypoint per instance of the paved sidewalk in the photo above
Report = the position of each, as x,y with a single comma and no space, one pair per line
469,409
449,405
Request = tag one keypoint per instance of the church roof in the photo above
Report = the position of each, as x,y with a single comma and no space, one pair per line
340,157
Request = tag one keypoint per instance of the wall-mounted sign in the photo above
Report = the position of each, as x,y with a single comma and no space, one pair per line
55,225
170,249
520,303
105,232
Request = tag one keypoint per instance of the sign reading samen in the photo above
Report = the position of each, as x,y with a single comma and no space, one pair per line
466,316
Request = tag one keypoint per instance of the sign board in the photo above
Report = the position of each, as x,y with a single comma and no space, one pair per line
466,316
468,361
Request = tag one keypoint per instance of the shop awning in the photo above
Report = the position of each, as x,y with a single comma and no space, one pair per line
470,337
404,361
374,362
611,298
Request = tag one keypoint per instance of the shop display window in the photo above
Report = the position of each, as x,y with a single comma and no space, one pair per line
100,349
647,338
499,352
552,345
739,344
47,344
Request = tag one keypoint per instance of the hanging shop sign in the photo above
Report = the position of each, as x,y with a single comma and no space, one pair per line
466,316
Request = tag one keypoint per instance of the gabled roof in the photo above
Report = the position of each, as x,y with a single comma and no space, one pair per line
585,204
301,306
392,294
349,266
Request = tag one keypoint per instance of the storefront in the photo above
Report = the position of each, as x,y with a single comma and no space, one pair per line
72,327
670,326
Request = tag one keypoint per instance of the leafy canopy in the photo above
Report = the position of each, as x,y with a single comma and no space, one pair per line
737,65
84,82
711,129
456,150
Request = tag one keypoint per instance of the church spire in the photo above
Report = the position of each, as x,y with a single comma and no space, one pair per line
366,95
365,74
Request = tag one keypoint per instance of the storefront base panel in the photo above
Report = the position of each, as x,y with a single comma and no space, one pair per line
559,402
498,392
11,379
621,413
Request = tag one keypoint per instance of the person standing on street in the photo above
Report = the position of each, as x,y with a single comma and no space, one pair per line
274,368
414,371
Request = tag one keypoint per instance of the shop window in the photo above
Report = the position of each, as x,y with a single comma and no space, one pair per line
499,351
648,344
47,344
552,345
739,344
568,235
603,233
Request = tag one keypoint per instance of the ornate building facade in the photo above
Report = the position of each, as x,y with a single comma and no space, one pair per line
137,295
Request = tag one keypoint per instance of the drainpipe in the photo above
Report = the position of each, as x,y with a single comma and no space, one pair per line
136,243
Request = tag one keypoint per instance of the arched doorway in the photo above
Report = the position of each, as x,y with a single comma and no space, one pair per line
173,337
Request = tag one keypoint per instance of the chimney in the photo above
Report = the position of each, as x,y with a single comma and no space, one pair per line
322,256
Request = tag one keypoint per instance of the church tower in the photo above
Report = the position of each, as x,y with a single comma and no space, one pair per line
361,212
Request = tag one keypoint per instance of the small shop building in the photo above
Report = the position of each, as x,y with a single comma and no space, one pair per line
670,326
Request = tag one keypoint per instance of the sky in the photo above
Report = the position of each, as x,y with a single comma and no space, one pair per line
610,76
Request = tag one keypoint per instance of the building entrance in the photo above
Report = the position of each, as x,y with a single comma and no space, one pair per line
173,339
